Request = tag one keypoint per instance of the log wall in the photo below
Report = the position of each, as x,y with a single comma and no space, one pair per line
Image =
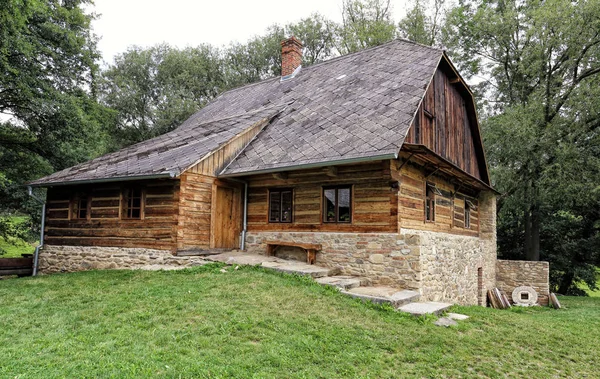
449,205
193,225
155,230
374,205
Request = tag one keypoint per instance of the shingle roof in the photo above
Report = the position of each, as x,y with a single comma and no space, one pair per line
166,155
357,106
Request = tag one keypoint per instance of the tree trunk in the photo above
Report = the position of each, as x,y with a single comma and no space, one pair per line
534,253
565,283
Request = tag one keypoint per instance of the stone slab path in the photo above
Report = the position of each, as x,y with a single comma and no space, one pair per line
403,300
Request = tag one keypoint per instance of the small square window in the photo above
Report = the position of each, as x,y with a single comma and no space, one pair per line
337,207
280,205
79,207
132,204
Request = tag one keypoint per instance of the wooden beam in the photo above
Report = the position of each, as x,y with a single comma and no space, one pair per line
280,175
331,171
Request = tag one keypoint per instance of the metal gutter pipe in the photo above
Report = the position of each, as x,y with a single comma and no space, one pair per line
38,247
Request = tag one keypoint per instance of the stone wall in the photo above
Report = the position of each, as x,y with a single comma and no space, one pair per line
80,258
513,274
451,263
384,258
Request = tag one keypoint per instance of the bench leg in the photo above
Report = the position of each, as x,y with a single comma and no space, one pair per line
311,256
270,250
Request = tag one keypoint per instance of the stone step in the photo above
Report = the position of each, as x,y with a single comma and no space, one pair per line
427,307
301,269
383,295
343,282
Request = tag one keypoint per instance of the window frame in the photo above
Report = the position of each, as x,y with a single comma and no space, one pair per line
429,202
324,217
280,191
75,206
124,206
467,215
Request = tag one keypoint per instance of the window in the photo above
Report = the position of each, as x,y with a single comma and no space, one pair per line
79,210
337,205
430,202
467,214
280,205
132,203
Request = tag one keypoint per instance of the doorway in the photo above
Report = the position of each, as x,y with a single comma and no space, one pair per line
226,216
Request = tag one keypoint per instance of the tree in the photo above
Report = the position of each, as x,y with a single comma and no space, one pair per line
317,35
419,27
154,90
366,23
48,62
542,59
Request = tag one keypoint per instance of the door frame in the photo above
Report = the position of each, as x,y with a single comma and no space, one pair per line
237,193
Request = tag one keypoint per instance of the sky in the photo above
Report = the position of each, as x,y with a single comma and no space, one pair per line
122,23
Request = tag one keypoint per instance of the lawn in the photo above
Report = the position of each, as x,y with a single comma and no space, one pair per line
13,247
252,323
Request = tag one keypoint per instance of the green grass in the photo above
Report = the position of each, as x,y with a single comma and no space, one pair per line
253,323
15,248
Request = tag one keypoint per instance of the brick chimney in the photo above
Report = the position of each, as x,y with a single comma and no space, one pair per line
291,55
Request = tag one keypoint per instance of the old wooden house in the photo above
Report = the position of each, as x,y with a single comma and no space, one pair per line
375,157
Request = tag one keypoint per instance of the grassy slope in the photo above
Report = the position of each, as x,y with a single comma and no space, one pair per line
15,249
252,323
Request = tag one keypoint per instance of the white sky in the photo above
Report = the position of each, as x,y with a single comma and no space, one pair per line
182,23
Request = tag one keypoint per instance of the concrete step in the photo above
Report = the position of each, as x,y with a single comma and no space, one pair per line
301,269
343,282
428,307
383,295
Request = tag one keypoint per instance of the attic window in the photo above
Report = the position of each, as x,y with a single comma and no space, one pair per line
132,204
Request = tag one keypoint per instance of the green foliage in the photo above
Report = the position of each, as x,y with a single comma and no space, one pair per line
201,322
419,26
318,38
154,90
542,61
366,23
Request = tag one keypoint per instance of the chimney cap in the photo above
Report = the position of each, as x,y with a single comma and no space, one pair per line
290,41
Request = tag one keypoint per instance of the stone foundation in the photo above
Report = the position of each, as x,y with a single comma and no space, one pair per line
81,258
384,258
513,274
450,267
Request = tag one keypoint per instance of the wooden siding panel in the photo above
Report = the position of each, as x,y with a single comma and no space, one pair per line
104,227
449,133
193,227
375,206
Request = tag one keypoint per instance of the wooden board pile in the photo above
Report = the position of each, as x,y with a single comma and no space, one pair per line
497,299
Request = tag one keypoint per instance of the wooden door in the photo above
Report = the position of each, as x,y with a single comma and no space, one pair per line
226,223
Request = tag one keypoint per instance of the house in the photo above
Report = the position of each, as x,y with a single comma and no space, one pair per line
374,158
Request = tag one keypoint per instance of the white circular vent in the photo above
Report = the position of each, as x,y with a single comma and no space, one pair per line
525,296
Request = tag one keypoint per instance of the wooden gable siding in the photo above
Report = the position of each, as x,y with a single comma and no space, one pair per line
443,124
449,206
374,205
156,230
216,161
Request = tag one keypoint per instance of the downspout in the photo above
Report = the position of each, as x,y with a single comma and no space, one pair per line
38,247
243,244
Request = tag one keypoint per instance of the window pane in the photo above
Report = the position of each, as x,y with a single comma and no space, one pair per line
286,206
135,213
344,204
136,202
274,206
329,205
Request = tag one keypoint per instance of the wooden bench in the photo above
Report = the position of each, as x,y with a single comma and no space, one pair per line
310,248
16,266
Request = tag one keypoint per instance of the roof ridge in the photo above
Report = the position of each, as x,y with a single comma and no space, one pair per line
333,59
245,114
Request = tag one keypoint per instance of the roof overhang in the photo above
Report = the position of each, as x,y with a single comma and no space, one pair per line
306,166
442,164
166,175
